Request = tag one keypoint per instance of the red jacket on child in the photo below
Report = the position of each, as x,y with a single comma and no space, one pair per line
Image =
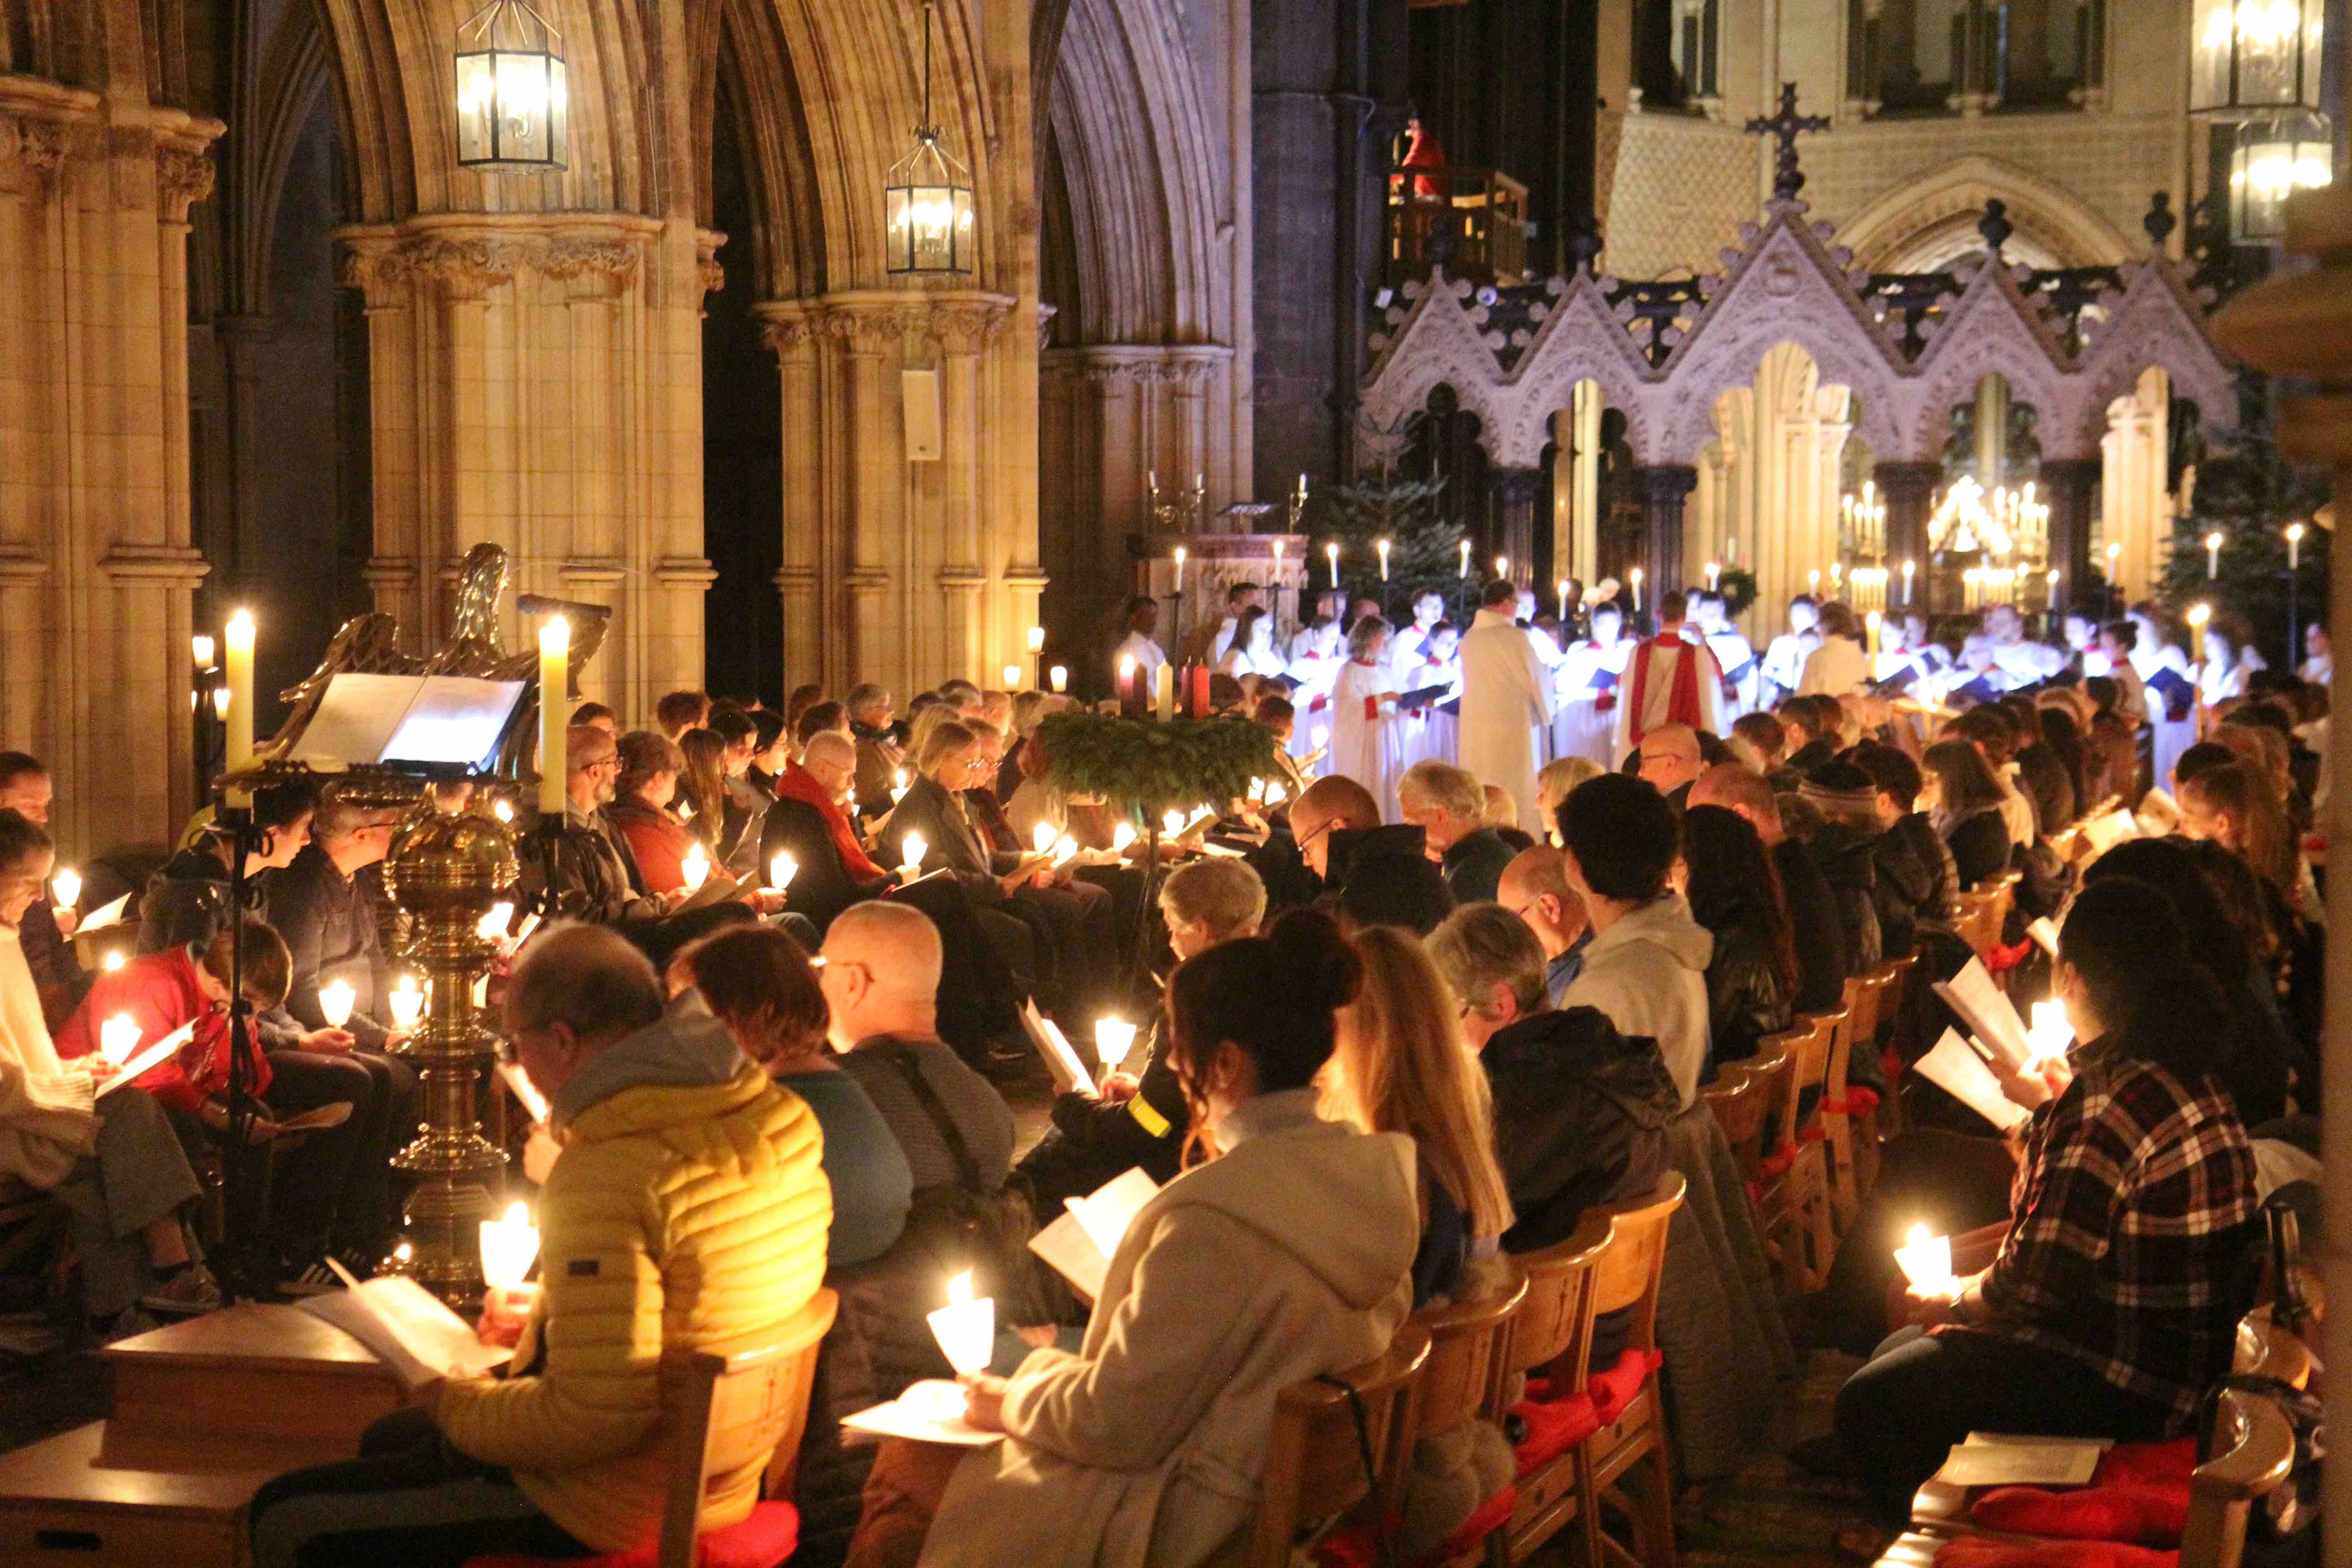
159,991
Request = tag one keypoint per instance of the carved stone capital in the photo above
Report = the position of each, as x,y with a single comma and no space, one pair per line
465,256
869,329
786,332
969,326
708,242
182,178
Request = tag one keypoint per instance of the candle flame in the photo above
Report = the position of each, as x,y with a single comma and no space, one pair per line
959,1288
1916,1235
1044,836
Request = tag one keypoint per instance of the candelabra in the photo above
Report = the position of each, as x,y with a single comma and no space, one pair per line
446,872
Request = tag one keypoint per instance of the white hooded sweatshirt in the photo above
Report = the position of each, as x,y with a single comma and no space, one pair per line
1648,974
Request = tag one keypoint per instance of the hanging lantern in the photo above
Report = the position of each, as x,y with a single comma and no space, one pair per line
513,109
2274,158
926,204
2251,58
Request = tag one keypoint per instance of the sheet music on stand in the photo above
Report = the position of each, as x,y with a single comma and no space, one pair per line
419,722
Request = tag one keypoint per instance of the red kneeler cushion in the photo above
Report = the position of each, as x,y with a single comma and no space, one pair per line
1358,1547
767,1539
2140,1495
1975,1552
1556,1425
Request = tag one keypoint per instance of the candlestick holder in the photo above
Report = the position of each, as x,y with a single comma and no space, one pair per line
446,872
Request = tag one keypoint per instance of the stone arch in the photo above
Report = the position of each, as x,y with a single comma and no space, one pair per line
1988,331
1129,124
1921,224
292,69
742,41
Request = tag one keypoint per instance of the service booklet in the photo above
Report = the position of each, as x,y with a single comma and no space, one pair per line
1060,1058
408,1327
1955,1067
1081,1241
2001,1459
1988,1013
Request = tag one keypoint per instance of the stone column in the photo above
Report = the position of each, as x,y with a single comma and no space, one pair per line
2301,325
1665,487
2067,484
1515,491
1909,491
786,330
965,330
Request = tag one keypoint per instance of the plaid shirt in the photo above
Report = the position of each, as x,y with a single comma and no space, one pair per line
2135,1201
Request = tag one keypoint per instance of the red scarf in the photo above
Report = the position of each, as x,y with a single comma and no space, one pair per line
1682,702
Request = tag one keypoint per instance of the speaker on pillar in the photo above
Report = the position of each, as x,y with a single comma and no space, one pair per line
919,395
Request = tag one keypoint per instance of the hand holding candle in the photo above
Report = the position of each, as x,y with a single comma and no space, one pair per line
1113,1037
116,1037
335,1001
781,871
694,869
1926,1262
911,850
965,1329
509,1247
407,1001
65,888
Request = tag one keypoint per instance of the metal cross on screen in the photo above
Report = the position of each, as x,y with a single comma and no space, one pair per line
1783,128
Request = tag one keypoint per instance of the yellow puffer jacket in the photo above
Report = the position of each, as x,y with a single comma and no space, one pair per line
685,1216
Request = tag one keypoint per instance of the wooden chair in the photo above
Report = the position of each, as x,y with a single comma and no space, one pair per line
1552,1333
2255,1453
2266,1350
1806,1208
1468,1374
1627,1460
720,1414
1737,1099
1314,1471
1846,1139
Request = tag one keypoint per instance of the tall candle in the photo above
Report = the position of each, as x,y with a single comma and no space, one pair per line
1563,598
239,645
1127,699
2294,545
2198,615
1908,567
1331,553
1383,546
1277,565
2213,555
555,683
1635,576
1464,572
1163,691
1179,568
1870,633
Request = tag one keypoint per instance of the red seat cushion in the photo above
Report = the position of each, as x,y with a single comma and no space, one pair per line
769,1536
1357,1547
2146,1513
1556,1425
1857,1103
2001,960
1977,1552
1614,1390
1778,1163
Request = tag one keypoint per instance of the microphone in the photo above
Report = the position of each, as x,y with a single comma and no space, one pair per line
542,604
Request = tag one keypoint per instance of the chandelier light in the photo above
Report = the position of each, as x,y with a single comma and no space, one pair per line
2274,158
926,204
514,111
2252,58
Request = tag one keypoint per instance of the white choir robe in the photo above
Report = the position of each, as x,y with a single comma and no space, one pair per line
1784,665
1589,685
1368,734
1224,637
2027,663
1505,706
2164,671
1402,660
1837,666
1438,740
1310,701
1663,657
1742,671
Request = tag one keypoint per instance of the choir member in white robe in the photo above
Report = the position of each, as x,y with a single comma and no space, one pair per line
1588,686
1440,664
2318,667
1412,641
1668,680
1505,700
1252,650
1741,669
2172,694
1839,665
2021,660
1239,597
1784,660
1316,656
1368,732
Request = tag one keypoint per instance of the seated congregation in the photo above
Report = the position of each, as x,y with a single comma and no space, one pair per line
1509,1139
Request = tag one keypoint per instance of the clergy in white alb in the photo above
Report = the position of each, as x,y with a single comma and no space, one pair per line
1505,700
1668,680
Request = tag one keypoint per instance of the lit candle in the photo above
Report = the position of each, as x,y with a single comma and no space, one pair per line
1837,574
1126,692
503,810
2050,1034
335,1002
1037,639
780,870
240,689
1383,546
116,1037
2198,615
1153,479
1908,567
1925,1260
508,1246
1331,554
1464,572
897,784
965,1329
111,962
2294,545
407,1001
1635,577
1121,836
1870,633
1113,1037
1065,849
65,888
694,869
493,923
1501,566
1321,737
2213,555
554,681
911,850
1058,677
220,703
1302,486
480,991
201,644
1277,564
1814,581
1563,585
1164,693
1043,837
1276,794
1713,577
1179,568
1172,824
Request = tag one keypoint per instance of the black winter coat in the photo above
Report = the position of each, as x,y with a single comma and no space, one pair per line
1850,867
1745,998
1580,1113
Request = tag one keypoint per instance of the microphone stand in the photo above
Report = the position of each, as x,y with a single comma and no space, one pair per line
243,1264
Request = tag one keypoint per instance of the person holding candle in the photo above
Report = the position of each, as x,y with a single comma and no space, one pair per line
880,747
1286,1256
112,1162
25,789
835,870
2111,1305
643,794
688,1212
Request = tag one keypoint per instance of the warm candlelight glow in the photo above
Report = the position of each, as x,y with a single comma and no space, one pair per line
1121,836
65,888
239,687
336,999
2050,1034
1011,678
1172,824
1714,576
111,962
1466,559
494,923
1501,566
502,809
1037,639
117,1037
1179,568
911,850
407,1001
201,644
2294,545
1058,677
508,1246
220,703
1113,1037
1043,837
554,684
1925,1260
1331,553
694,869
1383,546
965,1329
781,871
1634,578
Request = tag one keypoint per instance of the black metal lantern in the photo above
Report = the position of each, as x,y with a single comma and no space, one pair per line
2274,159
2253,58
514,111
927,202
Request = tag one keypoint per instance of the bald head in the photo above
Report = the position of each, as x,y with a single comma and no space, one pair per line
1670,756
881,973
1534,887
1327,806
1739,789
829,746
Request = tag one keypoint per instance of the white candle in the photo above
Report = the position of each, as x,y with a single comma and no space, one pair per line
508,1246
1925,1260
965,1329
494,923
1043,837
1714,576
1179,568
1563,585
1172,824
2213,555
781,870
1121,836
1011,678
1908,567
2051,1034
335,1000
1037,639
1870,633
240,689
1331,554
1277,563
1113,1037
2198,615
911,850
201,644
406,1002
1464,572
1383,546
897,783
554,681
1635,576
116,1037
221,703
65,888
1163,691
694,869
2294,545
1501,566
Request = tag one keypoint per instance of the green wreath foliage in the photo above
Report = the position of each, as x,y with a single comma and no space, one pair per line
1154,768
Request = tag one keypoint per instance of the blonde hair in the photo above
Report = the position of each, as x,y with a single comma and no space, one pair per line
1401,1065
1502,807
934,745
1454,790
1558,780
1222,893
